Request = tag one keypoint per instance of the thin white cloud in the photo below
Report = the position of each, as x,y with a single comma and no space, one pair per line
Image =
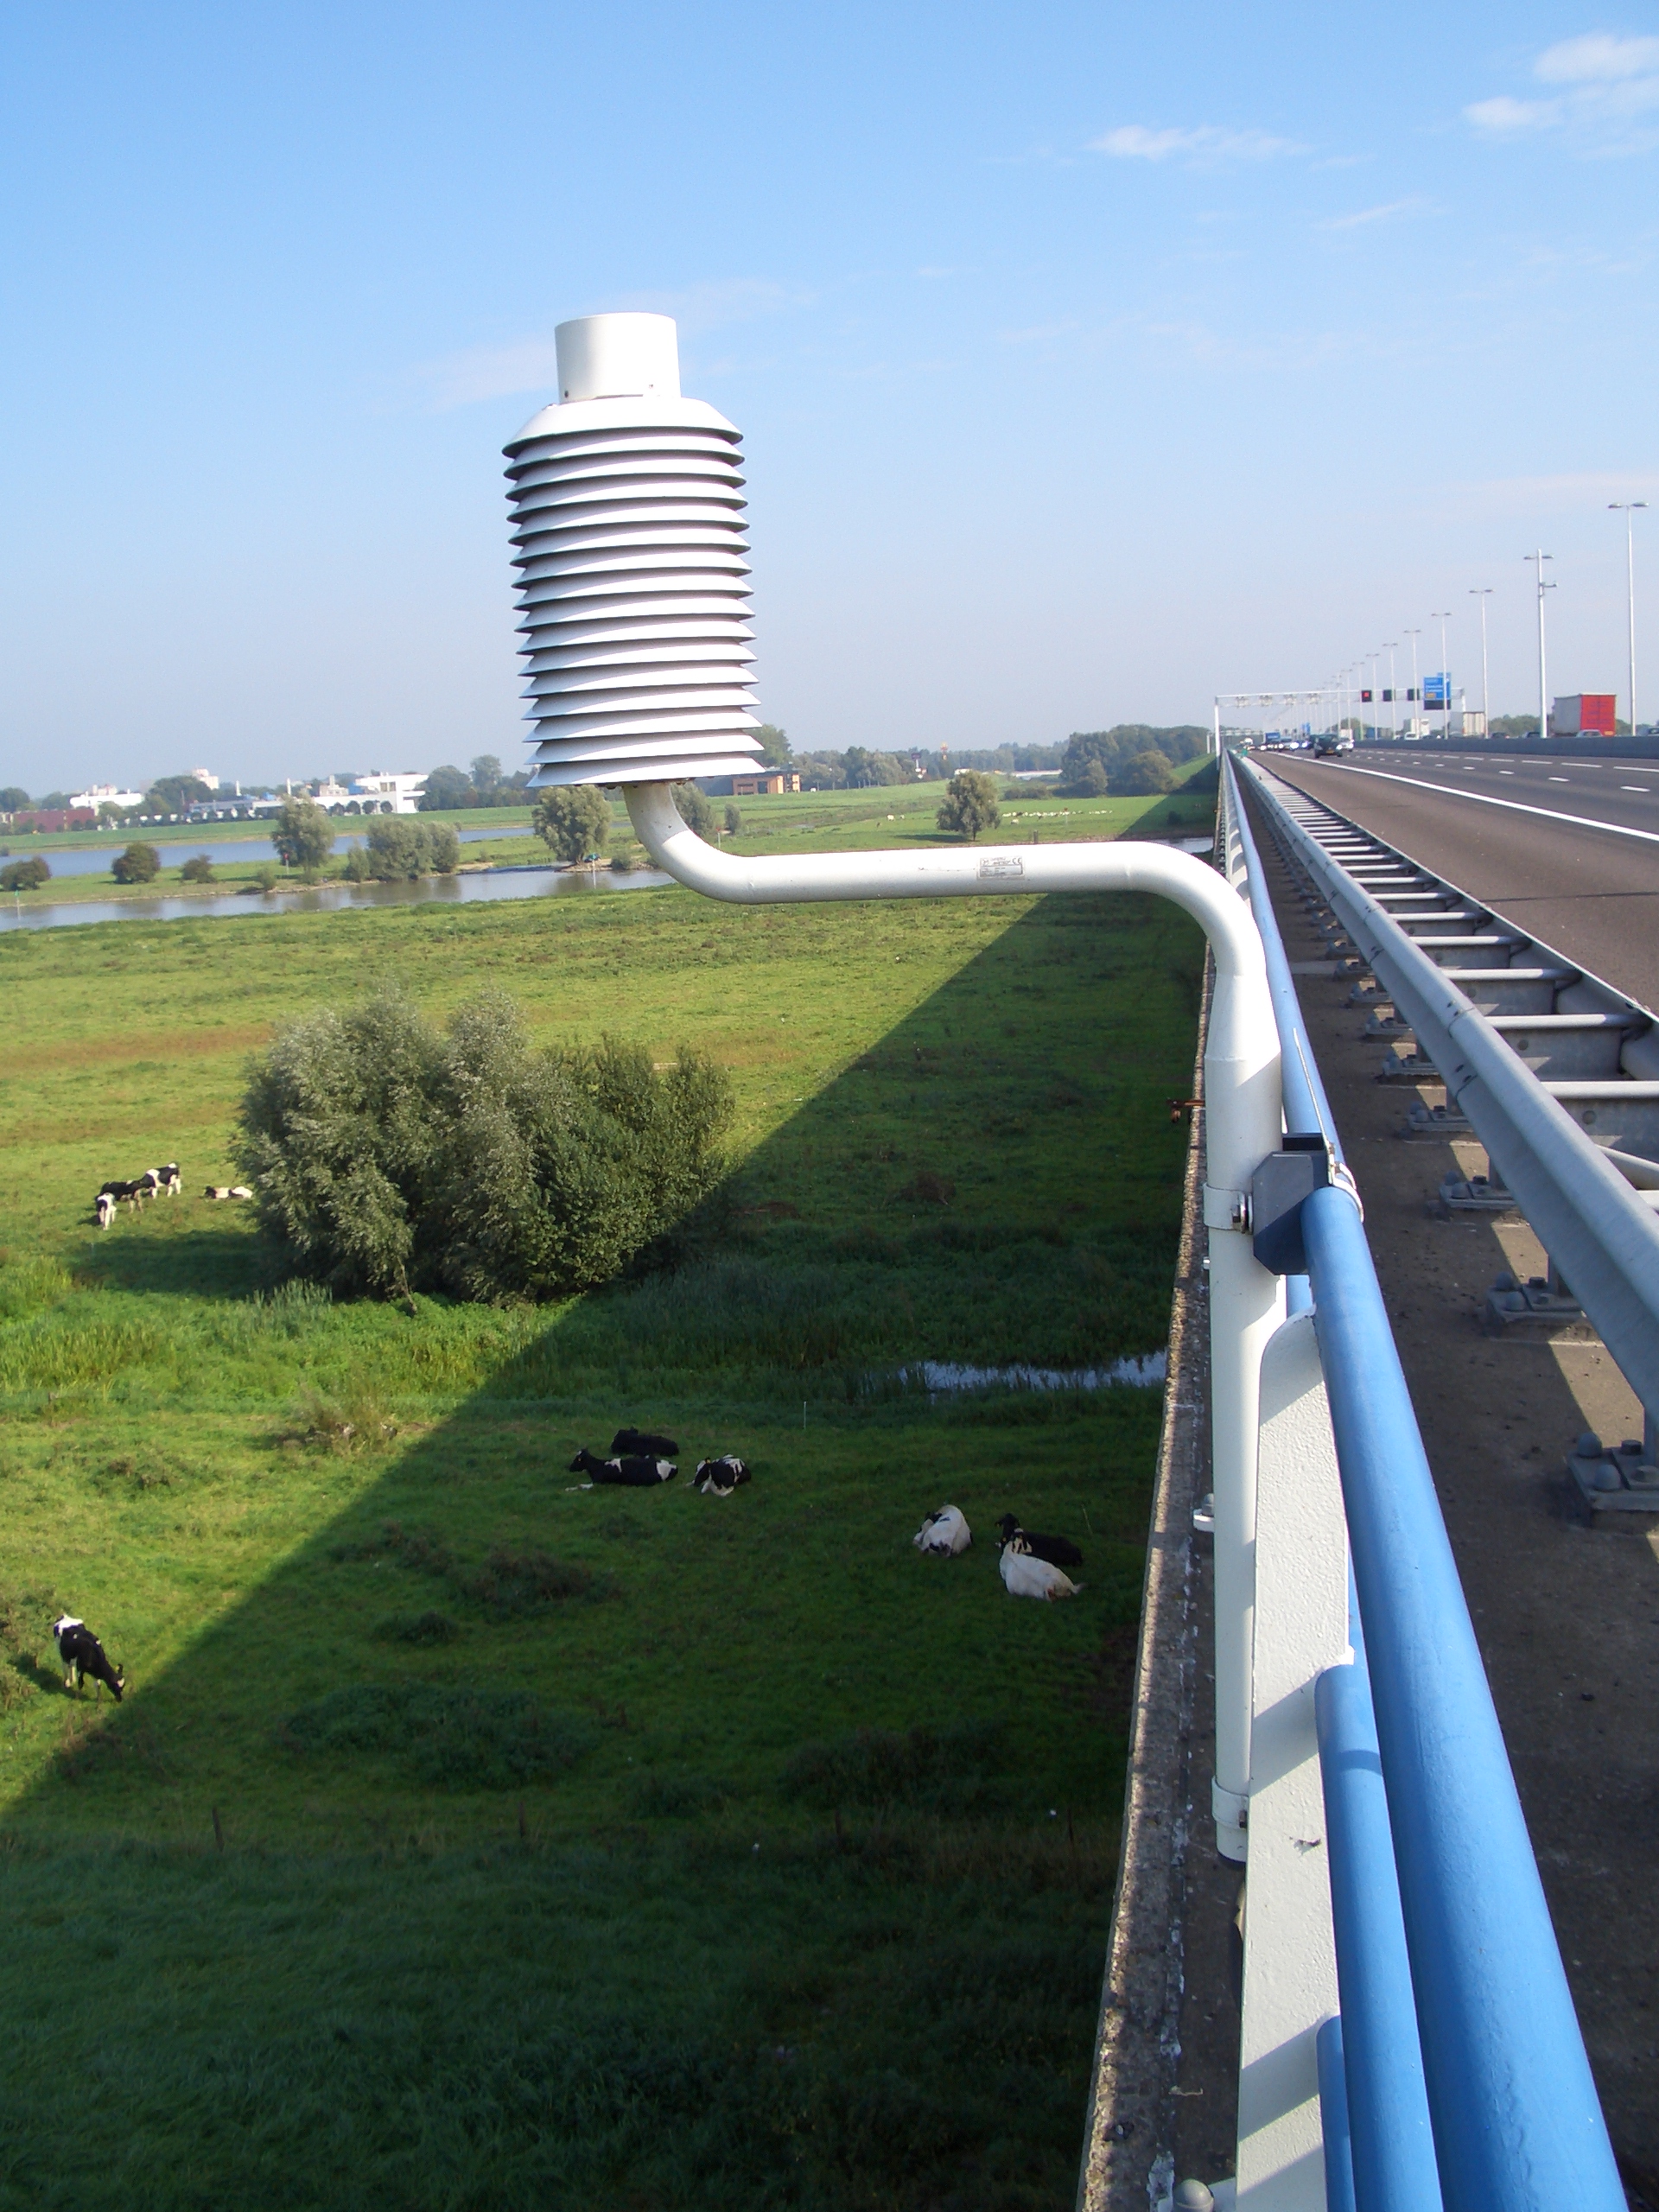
1414,205
1597,59
1199,143
1610,105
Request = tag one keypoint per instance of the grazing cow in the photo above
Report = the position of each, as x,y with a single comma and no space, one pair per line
720,1478
1059,1551
943,1535
169,1179
124,1193
1025,1575
634,1472
648,1441
105,1209
81,1653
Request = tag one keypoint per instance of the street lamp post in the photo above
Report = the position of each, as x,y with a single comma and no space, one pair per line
1446,676
1538,560
1391,646
1416,687
1483,593
1628,508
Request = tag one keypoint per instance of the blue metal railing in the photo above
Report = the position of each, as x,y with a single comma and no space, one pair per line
1516,2122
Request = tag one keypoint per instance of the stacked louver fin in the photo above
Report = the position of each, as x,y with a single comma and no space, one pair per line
627,511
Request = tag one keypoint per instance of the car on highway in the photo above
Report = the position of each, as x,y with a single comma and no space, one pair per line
1324,747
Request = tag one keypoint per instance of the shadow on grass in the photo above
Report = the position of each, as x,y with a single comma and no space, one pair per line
785,1853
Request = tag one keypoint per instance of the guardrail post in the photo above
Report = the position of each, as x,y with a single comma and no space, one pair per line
1302,1629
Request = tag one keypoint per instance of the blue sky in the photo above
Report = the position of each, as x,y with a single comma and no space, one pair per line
1090,360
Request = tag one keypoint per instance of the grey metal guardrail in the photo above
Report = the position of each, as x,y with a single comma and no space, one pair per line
1602,1237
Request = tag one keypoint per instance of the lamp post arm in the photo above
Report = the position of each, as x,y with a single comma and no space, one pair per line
1242,1124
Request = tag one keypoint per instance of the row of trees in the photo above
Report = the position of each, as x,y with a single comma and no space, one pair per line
388,1156
483,784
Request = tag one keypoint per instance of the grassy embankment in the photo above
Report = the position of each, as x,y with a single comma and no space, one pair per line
811,822
609,1899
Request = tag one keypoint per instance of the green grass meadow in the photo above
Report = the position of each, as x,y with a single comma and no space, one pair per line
470,1839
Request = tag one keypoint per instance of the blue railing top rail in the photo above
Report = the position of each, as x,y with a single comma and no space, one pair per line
1516,2123
1307,1110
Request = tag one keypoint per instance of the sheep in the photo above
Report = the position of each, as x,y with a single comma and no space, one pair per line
943,1535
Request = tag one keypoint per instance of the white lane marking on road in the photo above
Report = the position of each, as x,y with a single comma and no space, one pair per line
1636,787
1513,805
1560,780
1506,772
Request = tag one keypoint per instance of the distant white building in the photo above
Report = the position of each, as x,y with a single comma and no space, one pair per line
206,778
107,795
391,794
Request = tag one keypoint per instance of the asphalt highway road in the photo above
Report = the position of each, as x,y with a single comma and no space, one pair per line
1590,892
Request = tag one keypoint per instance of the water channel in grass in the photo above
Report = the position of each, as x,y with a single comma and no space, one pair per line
323,897
230,852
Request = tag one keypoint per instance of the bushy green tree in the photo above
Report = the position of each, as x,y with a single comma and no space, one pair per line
174,795
695,810
25,875
198,870
486,775
1147,773
969,804
774,744
137,864
386,1156
13,800
446,790
303,834
400,848
573,820
734,820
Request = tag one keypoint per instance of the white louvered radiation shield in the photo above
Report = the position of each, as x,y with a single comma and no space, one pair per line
627,511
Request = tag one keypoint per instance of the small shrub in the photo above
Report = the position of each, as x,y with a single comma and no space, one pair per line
402,848
359,1424
622,859
674,1796
388,1157
198,870
446,1739
953,1769
734,822
423,1629
137,864
512,1583
926,1188
266,876
25,875
695,810
573,821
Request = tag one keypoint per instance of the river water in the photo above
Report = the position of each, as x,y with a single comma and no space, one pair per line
324,898
95,860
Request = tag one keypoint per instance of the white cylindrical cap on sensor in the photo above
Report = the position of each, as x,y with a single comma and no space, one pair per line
618,356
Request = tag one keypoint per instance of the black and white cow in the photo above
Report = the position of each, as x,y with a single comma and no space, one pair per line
106,1204
631,1471
81,1653
720,1478
128,1194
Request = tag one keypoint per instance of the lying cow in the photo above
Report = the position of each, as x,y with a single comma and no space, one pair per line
647,1440
81,1653
631,1471
945,1535
228,1191
1059,1551
720,1478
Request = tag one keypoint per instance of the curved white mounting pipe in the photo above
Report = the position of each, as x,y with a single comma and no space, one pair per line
1242,1124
